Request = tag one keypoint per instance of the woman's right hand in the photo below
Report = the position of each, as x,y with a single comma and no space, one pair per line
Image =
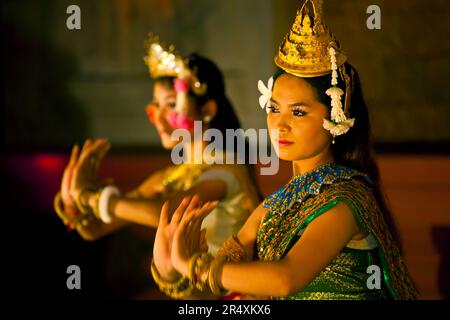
81,169
84,172
164,237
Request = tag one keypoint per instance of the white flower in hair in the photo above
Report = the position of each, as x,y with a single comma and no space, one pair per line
337,114
266,94
339,123
334,75
340,128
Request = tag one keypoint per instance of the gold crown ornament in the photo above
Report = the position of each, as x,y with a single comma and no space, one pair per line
304,51
160,61
167,62
310,50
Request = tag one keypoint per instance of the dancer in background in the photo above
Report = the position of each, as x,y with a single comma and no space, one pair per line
186,89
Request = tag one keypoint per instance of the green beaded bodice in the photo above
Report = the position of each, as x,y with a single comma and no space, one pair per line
304,198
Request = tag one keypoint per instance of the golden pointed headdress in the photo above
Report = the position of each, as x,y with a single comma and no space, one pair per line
305,49
162,62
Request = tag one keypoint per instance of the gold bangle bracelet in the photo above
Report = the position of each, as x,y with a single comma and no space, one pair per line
180,289
73,222
201,270
213,277
57,205
191,267
95,209
84,208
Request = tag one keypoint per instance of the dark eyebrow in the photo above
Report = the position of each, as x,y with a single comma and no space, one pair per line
170,96
296,104
274,101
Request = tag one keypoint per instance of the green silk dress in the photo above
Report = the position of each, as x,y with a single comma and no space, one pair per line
348,276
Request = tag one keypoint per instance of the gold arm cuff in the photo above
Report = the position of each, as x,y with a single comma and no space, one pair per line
232,249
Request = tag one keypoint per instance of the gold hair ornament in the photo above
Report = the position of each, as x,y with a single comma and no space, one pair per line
310,50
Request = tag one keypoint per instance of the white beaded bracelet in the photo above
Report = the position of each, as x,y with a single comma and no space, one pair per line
103,203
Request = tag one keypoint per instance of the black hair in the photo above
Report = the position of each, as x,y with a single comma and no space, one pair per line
354,149
208,72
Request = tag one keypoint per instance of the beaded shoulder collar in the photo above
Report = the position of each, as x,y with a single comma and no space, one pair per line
310,183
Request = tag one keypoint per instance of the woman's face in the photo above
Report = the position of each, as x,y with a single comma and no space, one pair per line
163,105
164,100
298,115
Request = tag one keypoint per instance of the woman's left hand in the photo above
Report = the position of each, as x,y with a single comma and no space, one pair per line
187,238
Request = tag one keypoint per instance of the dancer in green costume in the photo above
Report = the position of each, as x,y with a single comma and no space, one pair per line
327,234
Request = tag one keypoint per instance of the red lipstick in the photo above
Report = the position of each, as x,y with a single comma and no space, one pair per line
284,142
